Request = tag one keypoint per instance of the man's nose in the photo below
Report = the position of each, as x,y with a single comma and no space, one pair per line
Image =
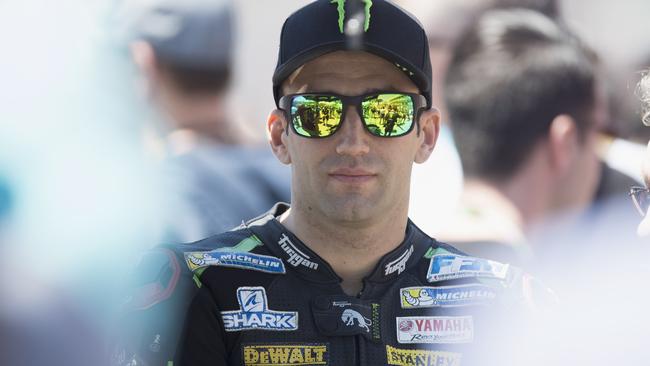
353,139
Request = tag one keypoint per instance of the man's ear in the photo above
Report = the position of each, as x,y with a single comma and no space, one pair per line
276,127
563,143
429,131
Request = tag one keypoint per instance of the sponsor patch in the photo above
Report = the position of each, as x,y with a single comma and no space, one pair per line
254,313
277,354
435,329
418,357
256,262
399,264
452,266
444,296
296,257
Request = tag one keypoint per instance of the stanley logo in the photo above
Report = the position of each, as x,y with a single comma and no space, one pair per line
416,357
286,354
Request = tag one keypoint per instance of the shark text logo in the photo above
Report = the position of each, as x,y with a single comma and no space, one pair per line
254,313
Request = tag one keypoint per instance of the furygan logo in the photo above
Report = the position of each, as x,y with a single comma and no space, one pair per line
435,329
296,257
286,354
399,264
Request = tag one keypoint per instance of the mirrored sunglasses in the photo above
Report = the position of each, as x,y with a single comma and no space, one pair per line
383,114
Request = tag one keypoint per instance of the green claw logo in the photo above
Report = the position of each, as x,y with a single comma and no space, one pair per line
340,6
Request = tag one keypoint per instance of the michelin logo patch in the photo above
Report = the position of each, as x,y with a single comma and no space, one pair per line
254,313
276,354
444,296
452,266
412,357
256,262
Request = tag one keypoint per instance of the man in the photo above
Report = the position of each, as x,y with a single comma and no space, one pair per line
341,277
526,105
217,176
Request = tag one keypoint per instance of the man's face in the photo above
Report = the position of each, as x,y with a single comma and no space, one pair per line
353,175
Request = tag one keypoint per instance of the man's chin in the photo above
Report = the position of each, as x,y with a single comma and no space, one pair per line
352,207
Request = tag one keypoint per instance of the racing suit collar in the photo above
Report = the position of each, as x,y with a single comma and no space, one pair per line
402,258
312,267
283,244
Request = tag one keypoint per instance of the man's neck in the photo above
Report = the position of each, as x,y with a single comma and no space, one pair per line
352,249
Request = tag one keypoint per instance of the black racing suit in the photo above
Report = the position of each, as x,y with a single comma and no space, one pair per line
258,296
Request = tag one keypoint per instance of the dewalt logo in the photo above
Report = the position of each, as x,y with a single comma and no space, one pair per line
286,354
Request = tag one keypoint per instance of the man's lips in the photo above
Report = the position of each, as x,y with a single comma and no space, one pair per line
352,175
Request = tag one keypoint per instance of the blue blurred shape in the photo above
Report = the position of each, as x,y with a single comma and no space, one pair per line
6,197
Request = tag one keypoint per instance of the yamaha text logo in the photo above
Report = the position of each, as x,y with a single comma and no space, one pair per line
296,257
254,313
435,329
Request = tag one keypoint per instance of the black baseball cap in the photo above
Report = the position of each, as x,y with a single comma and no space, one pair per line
388,32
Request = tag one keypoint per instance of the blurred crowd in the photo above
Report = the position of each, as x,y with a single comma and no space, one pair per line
128,123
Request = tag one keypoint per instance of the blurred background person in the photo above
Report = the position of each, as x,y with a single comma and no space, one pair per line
78,199
219,175
444,22
525,103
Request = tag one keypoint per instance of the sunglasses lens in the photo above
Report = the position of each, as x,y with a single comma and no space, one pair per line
388,115
316,116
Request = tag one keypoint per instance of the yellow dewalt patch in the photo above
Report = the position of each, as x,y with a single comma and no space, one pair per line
285,354
418,357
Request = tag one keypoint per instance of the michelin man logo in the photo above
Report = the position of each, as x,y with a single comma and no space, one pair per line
421,300
351,317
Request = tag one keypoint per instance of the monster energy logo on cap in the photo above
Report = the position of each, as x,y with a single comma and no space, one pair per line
340,6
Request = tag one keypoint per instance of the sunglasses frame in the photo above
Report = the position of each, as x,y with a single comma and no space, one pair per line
419,104
635,193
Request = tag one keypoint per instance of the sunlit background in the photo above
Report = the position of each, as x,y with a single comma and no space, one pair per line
80,198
